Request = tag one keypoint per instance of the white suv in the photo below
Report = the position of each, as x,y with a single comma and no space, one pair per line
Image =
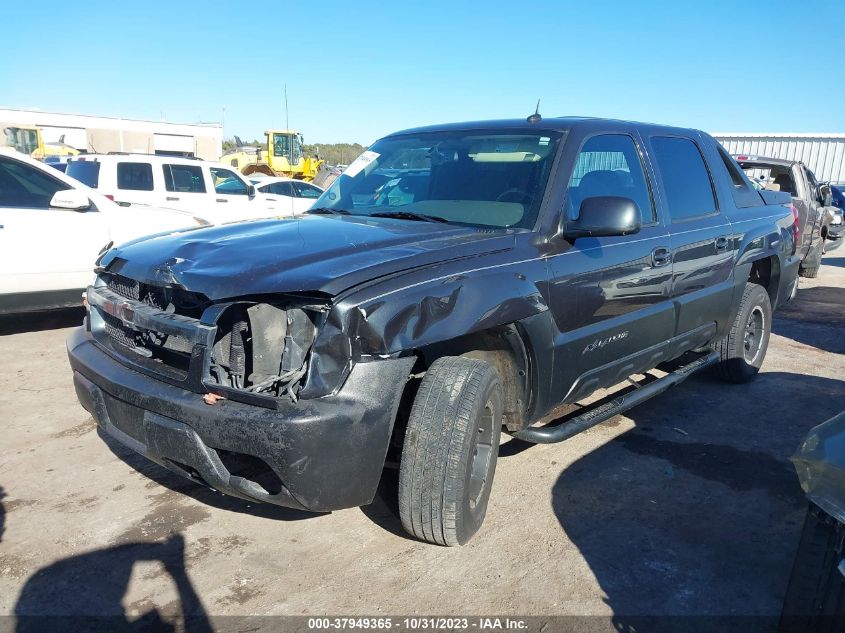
212,190
52,229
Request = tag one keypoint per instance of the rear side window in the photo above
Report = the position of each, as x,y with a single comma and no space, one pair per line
306,191
742,190
609,165
183,178
686,181
135,176
85,171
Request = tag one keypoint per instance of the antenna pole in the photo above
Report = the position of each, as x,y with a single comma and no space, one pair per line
287,122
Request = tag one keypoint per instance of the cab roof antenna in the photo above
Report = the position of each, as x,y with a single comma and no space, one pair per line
535,118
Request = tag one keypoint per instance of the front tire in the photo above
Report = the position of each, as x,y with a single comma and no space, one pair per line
450,450
743,350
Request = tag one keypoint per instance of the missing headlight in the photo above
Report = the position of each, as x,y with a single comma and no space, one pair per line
263,348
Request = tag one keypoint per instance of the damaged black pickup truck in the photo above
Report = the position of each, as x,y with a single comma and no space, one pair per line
454,282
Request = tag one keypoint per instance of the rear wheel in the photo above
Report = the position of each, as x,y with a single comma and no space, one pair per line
743,350
812,262
450,450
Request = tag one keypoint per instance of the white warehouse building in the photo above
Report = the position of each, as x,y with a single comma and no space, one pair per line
112,134
824,154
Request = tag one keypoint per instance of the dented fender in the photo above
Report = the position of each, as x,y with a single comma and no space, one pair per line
410,312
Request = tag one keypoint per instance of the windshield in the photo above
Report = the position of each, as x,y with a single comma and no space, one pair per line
487,179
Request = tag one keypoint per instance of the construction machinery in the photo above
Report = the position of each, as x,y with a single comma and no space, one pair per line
27,140
282,155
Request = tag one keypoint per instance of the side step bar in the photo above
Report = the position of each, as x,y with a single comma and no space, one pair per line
565,430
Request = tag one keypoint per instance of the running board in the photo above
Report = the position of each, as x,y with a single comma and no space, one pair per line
597,415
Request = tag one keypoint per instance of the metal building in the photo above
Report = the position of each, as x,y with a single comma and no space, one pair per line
112,134
824,154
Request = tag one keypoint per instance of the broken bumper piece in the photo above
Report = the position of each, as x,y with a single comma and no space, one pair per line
318,455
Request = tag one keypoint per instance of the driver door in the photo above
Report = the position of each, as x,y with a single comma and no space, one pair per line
44,248
231,196
610,295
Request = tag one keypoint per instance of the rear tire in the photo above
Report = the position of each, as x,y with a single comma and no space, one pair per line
450,450
809,273
743,350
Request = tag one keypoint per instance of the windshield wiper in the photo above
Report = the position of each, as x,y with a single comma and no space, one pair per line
329,211
408,215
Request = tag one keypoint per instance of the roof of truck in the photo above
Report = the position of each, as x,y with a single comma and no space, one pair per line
551,123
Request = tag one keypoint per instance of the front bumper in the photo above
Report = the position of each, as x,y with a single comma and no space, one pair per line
324,454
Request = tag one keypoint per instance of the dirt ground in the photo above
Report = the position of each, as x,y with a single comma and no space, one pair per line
687,505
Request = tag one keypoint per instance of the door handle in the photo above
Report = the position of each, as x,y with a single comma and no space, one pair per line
222,200
171,198
660,257
722,243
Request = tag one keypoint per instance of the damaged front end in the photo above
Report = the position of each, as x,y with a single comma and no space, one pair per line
262,348
252,350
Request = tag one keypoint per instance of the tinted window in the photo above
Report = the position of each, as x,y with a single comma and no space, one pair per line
227,182
686,182
306,191
609,165
183,178
136,176
85,171
278,188
22,185
742,190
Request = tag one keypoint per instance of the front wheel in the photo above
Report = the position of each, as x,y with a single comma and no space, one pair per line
742,351
450,450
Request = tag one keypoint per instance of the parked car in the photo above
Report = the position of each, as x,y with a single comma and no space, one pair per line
837,222
287,194
816,587
524,264
217,192
808,196
52,228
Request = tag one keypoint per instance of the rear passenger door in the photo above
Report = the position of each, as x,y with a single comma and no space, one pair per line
135,183
610,295
280,197
306,194
702,245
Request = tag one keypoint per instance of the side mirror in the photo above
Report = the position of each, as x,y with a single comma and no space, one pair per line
604,216
70,199
825,194
250,191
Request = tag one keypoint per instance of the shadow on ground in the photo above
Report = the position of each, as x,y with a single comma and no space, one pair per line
697,511
86,592
203,494
821,305
39,321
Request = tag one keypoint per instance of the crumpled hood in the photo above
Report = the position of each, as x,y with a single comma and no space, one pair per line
310,253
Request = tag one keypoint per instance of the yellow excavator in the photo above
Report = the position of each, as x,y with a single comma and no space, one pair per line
27,140
283,155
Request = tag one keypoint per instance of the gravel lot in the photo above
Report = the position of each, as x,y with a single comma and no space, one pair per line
687,505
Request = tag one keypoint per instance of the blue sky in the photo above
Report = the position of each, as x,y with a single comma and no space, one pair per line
358,70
